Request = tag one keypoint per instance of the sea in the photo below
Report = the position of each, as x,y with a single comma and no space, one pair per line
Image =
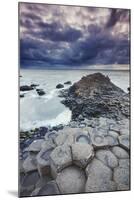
47,110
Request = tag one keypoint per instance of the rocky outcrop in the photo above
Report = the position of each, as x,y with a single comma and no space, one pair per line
40,92
94,96
26,88
68,83
59,86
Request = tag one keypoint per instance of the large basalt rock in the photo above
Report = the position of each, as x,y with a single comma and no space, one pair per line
95,184
59,159
121,176
50,188
111,140
30,179
26,88
120,152
35,146
99,141
98,170
82,154
71,180
107,157
43,159
29,165
124,141
124,163
99,177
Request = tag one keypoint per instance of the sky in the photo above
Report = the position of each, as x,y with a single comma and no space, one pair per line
57,36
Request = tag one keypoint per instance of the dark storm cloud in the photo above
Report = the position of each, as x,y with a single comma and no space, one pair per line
117,15
52,35
52,32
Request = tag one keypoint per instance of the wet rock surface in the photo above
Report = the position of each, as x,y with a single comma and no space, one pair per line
90,154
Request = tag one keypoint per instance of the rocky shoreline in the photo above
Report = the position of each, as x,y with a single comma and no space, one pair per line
90,154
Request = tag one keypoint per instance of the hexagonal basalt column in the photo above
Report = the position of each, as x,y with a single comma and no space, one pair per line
35,146
107,157
64,138
82,154
43,160
94,184
51,135
29,165
98,169
120,152
124,141
50,188
99,141
71,180
59,159
83,137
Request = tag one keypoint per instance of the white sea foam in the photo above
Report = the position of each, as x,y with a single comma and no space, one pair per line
62,118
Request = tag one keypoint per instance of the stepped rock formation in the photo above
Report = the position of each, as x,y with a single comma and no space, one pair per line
94,96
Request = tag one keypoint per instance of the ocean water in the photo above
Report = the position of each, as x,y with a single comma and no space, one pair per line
46,110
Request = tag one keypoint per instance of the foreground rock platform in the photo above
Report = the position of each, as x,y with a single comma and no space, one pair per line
91,153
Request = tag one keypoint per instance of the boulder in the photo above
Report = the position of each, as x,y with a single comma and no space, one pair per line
82,154
26,88
59,86
107,157
119,152
71,180
59,159
124,141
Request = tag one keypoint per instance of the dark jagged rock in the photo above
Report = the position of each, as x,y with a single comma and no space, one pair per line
94,96
34,85
26,88
128,89
59,86
21,95
68,83
40,92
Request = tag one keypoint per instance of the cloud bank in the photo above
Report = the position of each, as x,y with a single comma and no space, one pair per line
67,36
